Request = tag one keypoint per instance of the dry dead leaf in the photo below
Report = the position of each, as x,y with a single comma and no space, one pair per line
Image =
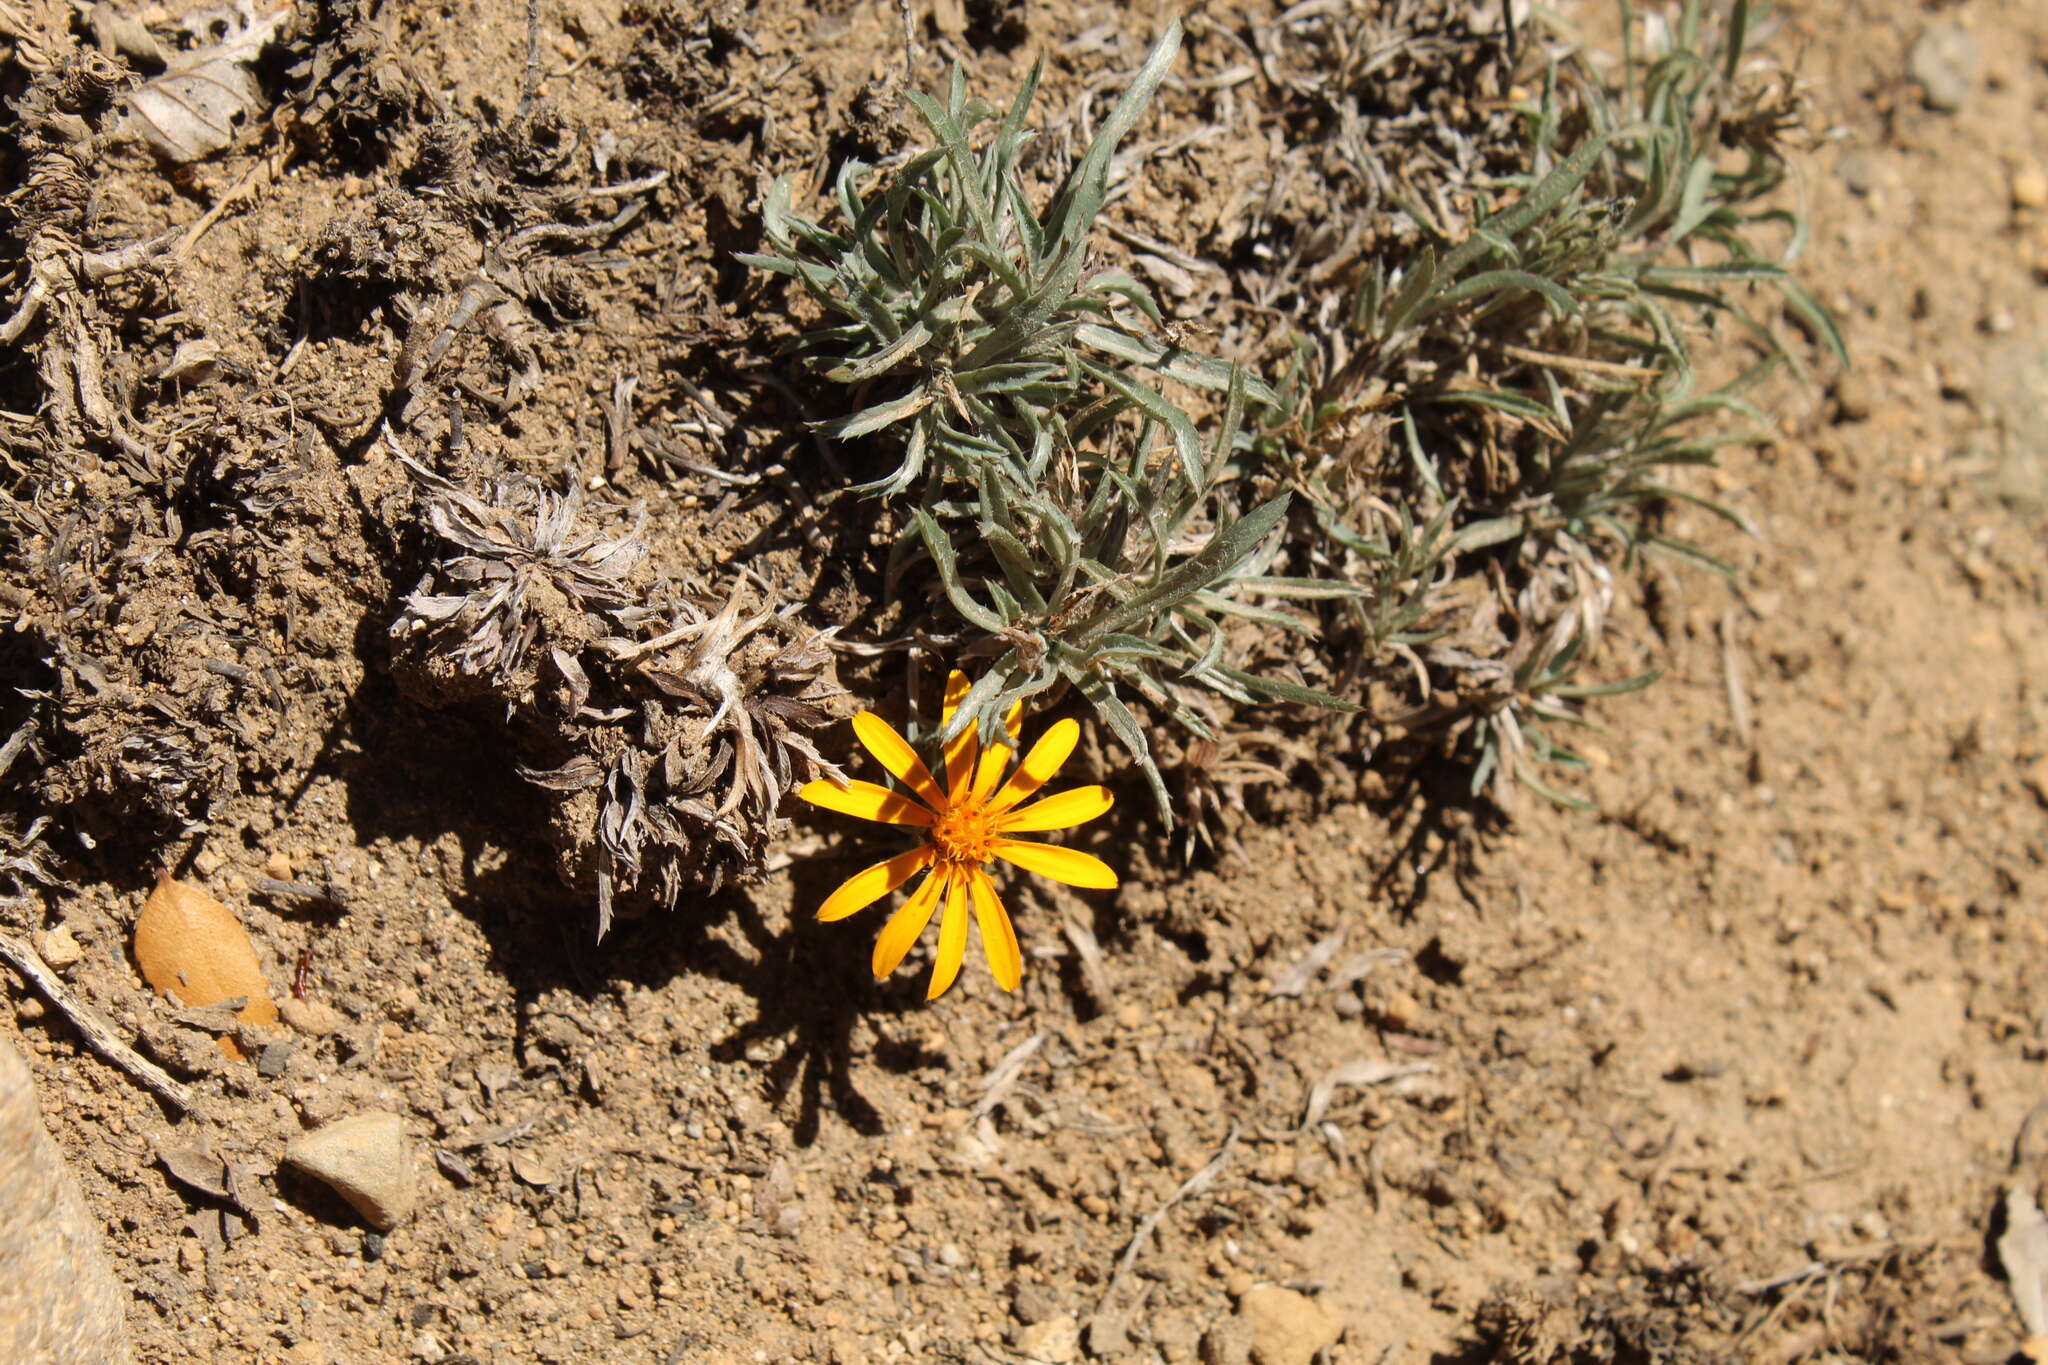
195,1164
193,361
195,106
1296,979
533,1168
1358,1071
190,945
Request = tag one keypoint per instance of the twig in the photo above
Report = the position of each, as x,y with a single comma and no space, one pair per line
303,891
1805,1272
260,175
1194,1185
1637,373
529,76
1002,1077
909,41
90,1027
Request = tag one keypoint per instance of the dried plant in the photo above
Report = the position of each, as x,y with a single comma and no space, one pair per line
685,724
25,862
684,782
525,570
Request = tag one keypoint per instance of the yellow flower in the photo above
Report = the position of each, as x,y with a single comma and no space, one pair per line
970,822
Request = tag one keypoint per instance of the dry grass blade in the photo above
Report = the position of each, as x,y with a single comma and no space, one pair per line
1002,1077
1295,980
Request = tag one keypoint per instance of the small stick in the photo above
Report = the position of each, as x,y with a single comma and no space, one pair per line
529,80
271,886
1577,362
1195,1184
909,41
258,176
97,1035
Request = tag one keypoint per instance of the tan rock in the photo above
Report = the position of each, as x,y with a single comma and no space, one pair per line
1288,1328
59,947
367,1160
310,1017
59,1301
1056,1341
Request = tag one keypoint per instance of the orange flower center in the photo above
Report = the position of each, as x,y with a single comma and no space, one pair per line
966,833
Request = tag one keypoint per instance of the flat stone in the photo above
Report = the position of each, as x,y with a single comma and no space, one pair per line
1288,1328
367,1161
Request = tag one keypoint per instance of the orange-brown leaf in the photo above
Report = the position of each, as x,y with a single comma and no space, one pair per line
189,944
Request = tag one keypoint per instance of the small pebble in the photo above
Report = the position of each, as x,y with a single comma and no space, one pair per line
1033,1303
271,1062
59,948
2030,188
1400,1010
1227,1343
1944,63
311,1017
1056,1341
1855,170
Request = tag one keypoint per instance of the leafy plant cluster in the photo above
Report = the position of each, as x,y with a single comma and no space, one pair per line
1495,423
1635,232
1063,500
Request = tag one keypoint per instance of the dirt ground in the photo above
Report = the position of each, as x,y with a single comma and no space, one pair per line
1731,1068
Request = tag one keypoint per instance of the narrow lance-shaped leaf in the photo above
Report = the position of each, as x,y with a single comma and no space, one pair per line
1225,549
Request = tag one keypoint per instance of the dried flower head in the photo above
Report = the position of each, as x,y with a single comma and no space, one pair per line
691,791
522,568
970,822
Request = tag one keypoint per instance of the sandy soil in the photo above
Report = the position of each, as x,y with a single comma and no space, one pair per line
1731,1069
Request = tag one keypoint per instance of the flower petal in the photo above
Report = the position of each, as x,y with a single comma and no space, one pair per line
866,800
993,764
961,752
1053,749
893,752
870,884
1061,811
952,938
998,935
906,926
956,688
1069,865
